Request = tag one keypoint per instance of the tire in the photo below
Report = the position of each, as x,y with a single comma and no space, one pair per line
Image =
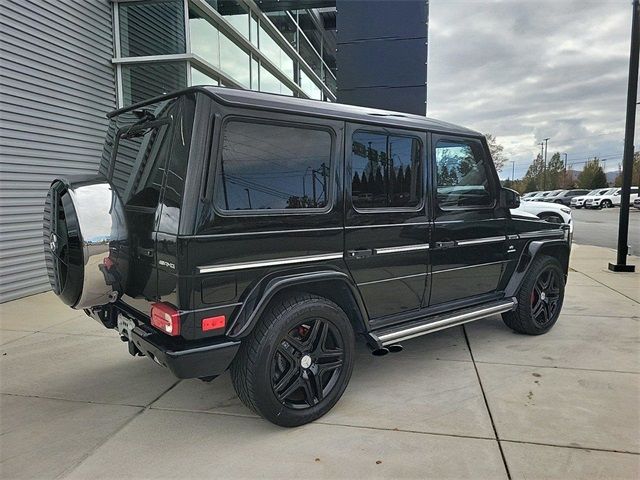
270,373
606,204
538,306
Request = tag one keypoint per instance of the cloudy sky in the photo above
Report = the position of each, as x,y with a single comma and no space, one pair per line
526,70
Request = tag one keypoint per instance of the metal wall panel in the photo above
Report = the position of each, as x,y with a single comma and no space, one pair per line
56,85
382,54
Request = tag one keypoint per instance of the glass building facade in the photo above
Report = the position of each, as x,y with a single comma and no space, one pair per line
165,45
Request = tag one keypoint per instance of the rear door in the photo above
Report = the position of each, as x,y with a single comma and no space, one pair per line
468,242
387,230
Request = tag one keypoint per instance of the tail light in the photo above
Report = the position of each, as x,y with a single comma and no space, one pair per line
165,318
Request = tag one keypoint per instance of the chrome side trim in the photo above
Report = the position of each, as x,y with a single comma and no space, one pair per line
543,233
468,266
451,321
400,249
267,232
393,278
407,224
227,267
480,241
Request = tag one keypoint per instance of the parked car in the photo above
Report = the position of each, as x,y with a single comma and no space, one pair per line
220,233
537,197
636,203
564,196
578,202
550,212
610,198
529,194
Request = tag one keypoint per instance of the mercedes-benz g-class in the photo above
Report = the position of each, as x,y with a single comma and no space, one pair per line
264,234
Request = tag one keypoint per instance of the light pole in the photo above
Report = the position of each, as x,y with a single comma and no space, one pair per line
544,178
513,170
627,159
565,171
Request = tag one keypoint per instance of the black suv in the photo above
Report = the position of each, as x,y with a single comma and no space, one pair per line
264,234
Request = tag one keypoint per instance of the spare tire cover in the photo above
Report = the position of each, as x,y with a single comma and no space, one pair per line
84,229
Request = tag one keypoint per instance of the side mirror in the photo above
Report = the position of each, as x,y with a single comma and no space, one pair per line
509,198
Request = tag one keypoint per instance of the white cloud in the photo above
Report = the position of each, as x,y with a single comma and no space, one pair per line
526,70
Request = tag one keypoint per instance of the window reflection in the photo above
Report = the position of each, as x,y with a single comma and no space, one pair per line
266,167
462,174
386,171
146,80
200,78
151,28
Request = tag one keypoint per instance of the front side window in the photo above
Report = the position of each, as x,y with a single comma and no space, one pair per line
273,167
385,171
462,174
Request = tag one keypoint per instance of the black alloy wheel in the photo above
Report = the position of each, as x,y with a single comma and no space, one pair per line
307,364
297,361
545,296
539,298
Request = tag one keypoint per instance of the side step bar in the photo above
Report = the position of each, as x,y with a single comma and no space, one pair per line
416,328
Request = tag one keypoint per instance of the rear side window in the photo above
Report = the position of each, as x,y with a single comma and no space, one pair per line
273,167
385,171
462,174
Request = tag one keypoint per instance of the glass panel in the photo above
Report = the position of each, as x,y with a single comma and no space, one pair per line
284,24
217,49
386,171
462,174
309,87
275,53
270,84
205,39
273,167
234,61
254,30
233,12
310,56
146,80
255,75
200,78
151,28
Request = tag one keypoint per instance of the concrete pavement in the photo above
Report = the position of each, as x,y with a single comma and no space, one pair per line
472,402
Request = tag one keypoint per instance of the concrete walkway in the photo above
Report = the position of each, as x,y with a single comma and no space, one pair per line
473,402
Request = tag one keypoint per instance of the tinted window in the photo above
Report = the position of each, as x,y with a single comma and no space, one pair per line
273,167
462,174
385,171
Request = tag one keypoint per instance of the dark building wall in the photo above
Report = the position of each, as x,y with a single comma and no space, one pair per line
382,54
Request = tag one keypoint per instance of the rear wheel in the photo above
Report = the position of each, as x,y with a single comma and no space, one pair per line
297,361
539,299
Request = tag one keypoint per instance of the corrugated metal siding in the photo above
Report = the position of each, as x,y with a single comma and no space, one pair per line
56,84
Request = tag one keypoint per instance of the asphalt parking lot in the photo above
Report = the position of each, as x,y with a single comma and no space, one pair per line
600,228
472,402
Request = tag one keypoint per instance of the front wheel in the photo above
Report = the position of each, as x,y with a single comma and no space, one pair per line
296,363
606,204
539,299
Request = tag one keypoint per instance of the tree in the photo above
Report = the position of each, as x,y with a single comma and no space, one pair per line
555,172
592,176
496,150
635,176
533,179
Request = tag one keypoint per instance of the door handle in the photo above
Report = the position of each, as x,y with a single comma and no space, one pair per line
359,254
445,244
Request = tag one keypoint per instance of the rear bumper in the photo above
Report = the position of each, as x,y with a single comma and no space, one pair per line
189,362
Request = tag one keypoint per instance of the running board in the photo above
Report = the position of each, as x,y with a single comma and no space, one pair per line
416,328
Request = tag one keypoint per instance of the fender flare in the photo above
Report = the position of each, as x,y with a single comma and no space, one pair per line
267,288
528,255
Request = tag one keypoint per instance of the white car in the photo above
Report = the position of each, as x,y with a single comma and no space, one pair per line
551,212
578,202
610,198
536,197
